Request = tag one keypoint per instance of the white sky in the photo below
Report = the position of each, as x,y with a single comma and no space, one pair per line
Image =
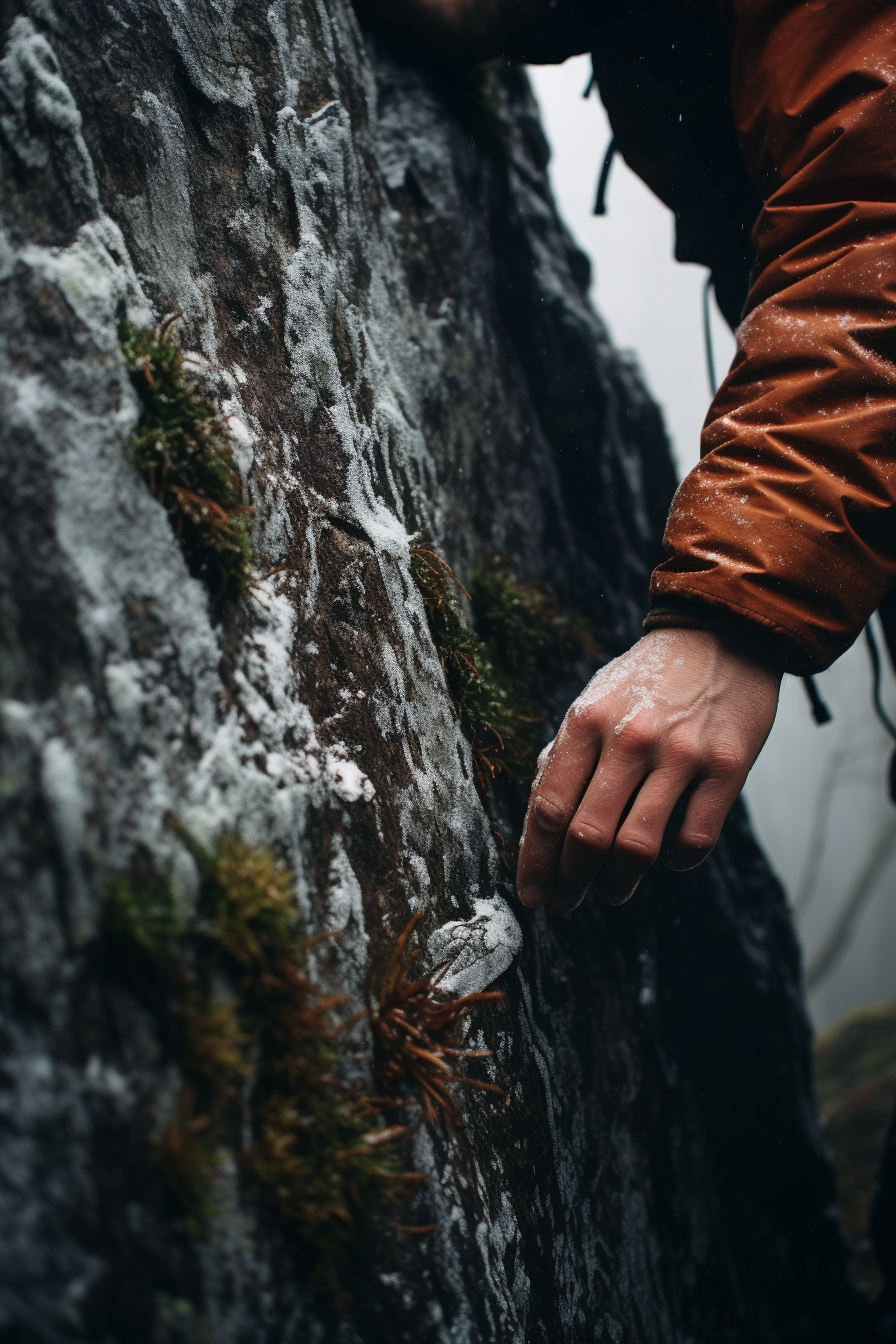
653,306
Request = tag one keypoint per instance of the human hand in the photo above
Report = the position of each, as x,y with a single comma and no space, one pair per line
682,713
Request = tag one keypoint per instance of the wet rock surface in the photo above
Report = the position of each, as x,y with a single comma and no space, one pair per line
383,302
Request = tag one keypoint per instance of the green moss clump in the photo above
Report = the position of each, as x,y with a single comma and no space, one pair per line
489,722
528,634
142,916
258,1045
523,637
184,452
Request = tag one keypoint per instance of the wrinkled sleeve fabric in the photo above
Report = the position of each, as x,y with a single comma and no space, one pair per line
786,530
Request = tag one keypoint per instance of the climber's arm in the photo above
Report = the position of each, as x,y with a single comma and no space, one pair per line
787,528
783,540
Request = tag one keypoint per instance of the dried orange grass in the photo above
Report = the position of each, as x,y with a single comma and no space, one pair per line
418,1025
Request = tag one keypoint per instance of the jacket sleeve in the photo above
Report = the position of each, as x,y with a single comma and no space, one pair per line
786,531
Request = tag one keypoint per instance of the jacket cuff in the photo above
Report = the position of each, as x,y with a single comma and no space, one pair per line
771,647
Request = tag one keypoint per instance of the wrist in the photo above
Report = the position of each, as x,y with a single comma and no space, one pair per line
747,639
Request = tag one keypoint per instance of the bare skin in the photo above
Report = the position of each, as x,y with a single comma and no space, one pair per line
682,715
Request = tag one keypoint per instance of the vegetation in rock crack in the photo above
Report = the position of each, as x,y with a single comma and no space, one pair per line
523,637
528,634
855,1069
480,701
417,1025
184,452
258,1047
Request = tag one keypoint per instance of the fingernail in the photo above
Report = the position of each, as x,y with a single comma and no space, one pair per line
533,897
685,865
614,898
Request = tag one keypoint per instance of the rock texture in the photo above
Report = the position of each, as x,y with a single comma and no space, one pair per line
383,301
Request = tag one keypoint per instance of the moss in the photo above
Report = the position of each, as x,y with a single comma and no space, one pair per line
523,637
141,915
481,703
258,1045
856,1082
528,634
184,452
186,1158
417,1026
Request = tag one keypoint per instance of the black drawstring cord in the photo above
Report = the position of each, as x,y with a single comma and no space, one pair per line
820,712
600,200
877,701
707,338
874,655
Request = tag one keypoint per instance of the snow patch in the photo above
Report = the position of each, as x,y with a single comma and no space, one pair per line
478,950
346,778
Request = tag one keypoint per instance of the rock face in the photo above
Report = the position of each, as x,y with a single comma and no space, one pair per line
385,306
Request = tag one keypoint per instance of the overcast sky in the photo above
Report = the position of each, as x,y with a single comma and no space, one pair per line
652,305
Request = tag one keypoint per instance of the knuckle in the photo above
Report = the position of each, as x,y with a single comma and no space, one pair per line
725,760
550,814
590,835
637,848
585,719
637,738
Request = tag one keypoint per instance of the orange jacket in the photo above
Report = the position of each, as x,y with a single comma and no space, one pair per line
786,531
785,534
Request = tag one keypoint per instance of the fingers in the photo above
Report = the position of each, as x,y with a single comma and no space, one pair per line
675,722
617,832
704,817
556,794
639,841
592,832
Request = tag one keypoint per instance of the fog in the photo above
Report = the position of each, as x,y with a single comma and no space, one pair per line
817,795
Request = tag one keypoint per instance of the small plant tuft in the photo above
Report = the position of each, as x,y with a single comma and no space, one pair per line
186,1158
523,637
184,452
481,703
142,916
259,1046
528,634
855,1070
417,1026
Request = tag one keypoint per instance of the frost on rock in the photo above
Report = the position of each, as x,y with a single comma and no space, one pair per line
377,293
